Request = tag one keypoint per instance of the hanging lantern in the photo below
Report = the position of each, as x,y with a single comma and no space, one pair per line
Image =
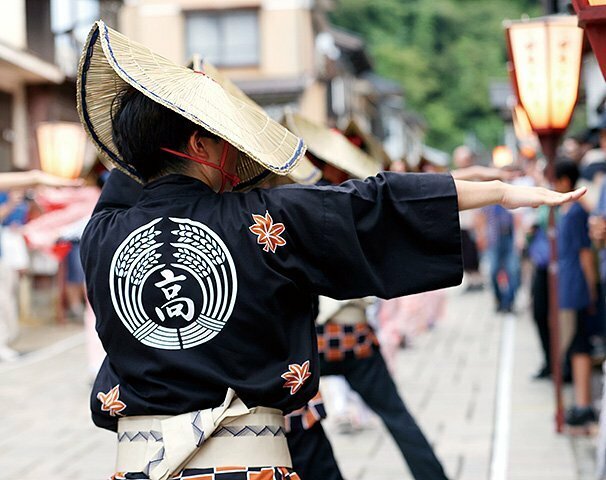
545,64
62,148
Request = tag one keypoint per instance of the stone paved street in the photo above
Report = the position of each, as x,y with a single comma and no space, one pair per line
448,378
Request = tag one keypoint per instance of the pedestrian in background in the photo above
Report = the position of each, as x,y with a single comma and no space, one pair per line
496,226
577,286
539,253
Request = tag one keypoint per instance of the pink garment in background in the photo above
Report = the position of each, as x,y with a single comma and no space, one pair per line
67,206
404,318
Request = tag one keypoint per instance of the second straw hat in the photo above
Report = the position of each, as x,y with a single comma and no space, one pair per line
111,62
305,172
332,147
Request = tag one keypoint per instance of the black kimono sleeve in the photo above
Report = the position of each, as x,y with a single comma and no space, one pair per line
388,236
119,193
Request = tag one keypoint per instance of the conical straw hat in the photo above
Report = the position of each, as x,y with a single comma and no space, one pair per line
110,61
305,172
332,147
372,145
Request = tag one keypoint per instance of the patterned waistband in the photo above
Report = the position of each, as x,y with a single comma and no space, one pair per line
338,342
231,434
306,417
222,473
227,431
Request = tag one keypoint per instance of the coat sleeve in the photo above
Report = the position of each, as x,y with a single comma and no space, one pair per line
387,236
119,192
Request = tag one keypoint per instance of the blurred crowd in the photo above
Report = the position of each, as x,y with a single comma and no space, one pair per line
40,269
508,254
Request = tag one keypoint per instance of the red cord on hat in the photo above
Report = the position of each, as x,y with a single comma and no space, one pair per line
225,176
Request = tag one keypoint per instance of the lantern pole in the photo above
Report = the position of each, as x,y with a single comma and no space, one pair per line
550,133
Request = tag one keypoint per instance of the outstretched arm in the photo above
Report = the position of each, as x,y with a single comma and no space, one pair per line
33,178
480,194
388,236
481,173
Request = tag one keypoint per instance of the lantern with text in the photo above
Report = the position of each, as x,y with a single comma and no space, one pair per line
592,17
62,148
545,66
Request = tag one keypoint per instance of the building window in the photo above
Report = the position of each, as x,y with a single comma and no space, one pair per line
226,38
70,22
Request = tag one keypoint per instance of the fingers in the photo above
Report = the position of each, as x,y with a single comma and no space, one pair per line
578,193
554,199
537,196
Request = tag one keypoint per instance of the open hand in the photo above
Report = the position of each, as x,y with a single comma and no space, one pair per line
519,196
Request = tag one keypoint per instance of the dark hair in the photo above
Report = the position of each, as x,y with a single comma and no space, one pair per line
567,169
141,127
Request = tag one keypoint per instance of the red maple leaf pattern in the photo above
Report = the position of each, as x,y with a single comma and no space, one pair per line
110,401
268,233
296,376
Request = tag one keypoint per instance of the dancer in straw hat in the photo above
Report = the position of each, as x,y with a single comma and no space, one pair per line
347,344
202,294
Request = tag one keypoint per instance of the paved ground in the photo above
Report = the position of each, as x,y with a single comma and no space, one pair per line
449,379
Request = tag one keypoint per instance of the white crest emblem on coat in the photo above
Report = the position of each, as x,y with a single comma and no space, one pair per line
177,302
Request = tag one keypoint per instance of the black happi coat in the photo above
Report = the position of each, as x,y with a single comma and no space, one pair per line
195,292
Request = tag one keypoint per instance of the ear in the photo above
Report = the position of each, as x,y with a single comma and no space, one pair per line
197,146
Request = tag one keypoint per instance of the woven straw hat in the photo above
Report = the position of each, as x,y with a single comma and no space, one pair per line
305,172
110,61
332,147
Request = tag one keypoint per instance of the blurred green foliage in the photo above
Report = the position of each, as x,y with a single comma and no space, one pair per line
444,53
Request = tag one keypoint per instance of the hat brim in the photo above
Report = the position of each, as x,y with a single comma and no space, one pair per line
332,147
304,173
110,62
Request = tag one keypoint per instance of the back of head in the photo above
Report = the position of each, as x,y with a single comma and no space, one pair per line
142,127
567,169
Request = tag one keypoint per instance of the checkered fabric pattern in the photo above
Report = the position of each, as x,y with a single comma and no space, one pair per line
222,473
306,417
344,342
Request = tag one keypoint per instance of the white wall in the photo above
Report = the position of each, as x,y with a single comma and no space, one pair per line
12,24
